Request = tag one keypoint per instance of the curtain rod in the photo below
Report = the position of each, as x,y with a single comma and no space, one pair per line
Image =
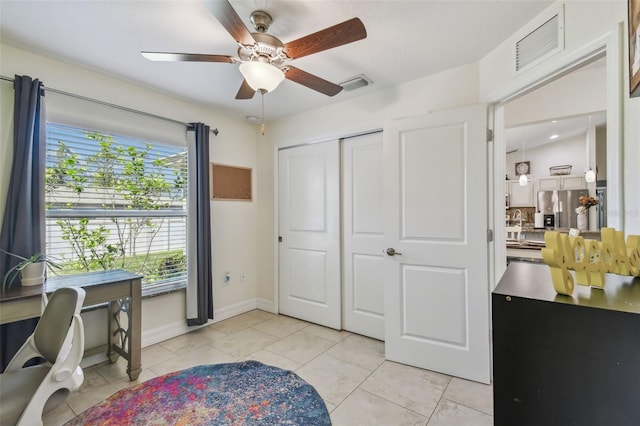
120,107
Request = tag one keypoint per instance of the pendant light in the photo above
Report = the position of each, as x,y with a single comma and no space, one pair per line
589,175
523,181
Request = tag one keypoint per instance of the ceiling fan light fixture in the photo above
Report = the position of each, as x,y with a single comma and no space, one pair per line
261,76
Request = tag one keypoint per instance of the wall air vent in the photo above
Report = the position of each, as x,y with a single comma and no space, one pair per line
356,82
544,40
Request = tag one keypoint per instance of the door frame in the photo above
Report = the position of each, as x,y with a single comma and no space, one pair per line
609,44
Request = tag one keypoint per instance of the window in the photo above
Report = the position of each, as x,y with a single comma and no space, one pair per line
116,203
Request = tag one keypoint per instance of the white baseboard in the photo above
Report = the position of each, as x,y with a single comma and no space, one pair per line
233,310
166,332
267,306
93,360
169,331
178,328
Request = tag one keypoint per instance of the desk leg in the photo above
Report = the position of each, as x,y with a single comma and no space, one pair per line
112,326
126,340
135,331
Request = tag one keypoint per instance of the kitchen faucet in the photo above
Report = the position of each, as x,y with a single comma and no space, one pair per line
517,214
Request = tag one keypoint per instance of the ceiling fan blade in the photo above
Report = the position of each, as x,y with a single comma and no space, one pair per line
246,91
346,32
227,16
186,57
312,82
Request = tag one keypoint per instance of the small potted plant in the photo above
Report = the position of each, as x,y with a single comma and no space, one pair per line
31,269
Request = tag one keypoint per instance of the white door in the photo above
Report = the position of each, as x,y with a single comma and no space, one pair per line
309,229
436,286
363,235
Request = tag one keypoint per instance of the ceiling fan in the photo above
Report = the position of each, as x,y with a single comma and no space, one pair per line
263,58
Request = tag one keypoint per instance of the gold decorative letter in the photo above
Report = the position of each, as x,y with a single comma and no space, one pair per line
590,259
554,256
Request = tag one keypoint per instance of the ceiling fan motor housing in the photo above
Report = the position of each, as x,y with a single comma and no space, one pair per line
261,21
266,48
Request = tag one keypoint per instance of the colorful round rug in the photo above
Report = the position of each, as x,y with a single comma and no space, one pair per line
243,393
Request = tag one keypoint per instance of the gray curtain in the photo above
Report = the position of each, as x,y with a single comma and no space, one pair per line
199,201
23,225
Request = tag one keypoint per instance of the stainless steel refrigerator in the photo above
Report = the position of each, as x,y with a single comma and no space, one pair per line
561,204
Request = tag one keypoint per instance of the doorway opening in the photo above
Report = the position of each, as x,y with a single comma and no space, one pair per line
586,84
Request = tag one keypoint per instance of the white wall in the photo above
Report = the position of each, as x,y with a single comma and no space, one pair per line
581,92
569,151
453,88
234,224
584,22
6,133
450,89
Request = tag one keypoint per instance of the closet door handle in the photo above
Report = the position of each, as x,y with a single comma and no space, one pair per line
392,252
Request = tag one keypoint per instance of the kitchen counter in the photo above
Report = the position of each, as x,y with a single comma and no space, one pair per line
528,250
525,250
524,254
538,233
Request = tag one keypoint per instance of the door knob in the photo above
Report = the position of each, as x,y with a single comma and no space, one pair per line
392,252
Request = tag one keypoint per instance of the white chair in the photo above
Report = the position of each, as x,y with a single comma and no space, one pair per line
26,393
513,233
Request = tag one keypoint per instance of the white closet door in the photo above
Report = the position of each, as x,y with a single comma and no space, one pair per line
436,284
363,235
309,229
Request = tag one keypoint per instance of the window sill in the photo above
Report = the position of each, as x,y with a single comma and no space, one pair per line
161,289
147,293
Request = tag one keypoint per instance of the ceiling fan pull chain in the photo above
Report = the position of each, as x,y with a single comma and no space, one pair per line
262,126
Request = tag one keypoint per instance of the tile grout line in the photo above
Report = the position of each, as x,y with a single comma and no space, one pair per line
358,387
439,400
319,334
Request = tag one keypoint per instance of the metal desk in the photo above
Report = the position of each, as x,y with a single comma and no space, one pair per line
120,289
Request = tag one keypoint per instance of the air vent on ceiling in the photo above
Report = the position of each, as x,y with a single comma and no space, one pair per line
356,82
545,40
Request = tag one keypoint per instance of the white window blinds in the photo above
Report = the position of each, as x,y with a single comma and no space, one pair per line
116,203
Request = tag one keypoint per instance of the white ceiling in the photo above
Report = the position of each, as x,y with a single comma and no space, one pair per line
535,135
406,40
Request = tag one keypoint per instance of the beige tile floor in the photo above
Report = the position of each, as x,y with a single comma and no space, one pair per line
348,370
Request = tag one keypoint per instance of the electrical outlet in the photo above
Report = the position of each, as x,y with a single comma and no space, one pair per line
242,276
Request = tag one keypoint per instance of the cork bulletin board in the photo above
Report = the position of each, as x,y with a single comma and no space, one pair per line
230,182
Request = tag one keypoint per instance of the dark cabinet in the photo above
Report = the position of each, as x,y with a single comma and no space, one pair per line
565,360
